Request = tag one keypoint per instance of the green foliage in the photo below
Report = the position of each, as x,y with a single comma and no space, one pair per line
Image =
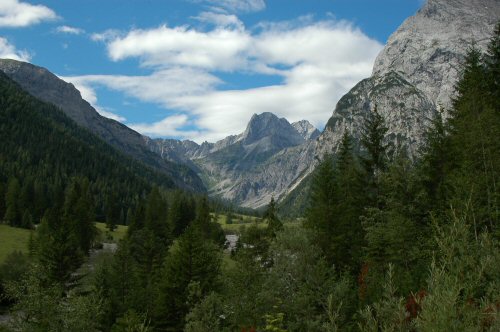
42,151
131,322
274,224
388,313
42,306
193,259
464,283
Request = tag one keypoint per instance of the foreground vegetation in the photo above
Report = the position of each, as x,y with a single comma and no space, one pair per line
388,244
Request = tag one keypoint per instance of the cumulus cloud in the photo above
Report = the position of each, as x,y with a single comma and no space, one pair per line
69,30
14,13
315,62
164,46
9,51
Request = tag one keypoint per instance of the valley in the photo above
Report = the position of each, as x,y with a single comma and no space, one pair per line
190,183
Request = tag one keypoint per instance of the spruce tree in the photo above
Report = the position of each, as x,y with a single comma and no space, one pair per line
274,224
374,159
12,209
321,212
194,262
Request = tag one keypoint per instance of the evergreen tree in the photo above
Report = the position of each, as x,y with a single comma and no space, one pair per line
3,189
12,210
193,261
433,164
182,212
78,210
474,131
374,158
156,216
112,212
211,230
348,238
274,224
57,247
321,212
492,61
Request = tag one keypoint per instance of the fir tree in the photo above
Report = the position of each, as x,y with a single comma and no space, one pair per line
193,260
374,159
274,224
12,210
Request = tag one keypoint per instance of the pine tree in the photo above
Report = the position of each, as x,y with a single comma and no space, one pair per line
321,212
78,210
374,159
274,224
12,210
434,163
182,212
193,260
474,130
112,212
492,61
349,205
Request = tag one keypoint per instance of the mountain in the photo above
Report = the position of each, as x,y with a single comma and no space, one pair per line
43,150
415,73
413,77
306,129
47,87
246,168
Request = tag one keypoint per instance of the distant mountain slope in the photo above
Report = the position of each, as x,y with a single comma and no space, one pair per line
47,87
43,150
247,168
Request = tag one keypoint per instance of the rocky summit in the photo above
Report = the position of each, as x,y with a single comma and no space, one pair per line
246,168
415,74
413,77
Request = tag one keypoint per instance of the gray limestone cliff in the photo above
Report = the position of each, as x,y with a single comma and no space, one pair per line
415,73
251,167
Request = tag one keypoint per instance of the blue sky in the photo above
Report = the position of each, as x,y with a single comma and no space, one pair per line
198,69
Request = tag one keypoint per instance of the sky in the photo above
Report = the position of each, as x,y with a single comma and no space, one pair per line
199,69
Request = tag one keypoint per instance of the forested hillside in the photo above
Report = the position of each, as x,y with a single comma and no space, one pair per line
42,151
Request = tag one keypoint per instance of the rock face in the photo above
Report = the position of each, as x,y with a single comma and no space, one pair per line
306,129
415,73
247,168
45,86
412,77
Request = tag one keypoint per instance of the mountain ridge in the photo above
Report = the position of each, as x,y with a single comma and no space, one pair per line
240,167
46,86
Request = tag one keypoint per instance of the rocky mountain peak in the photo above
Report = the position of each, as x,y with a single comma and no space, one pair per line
268,126
306,129
428,47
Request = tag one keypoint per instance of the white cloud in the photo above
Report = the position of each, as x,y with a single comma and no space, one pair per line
221,20
235,6
316,63
69,30
166,127
14,13
221,48
105,36
9,51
